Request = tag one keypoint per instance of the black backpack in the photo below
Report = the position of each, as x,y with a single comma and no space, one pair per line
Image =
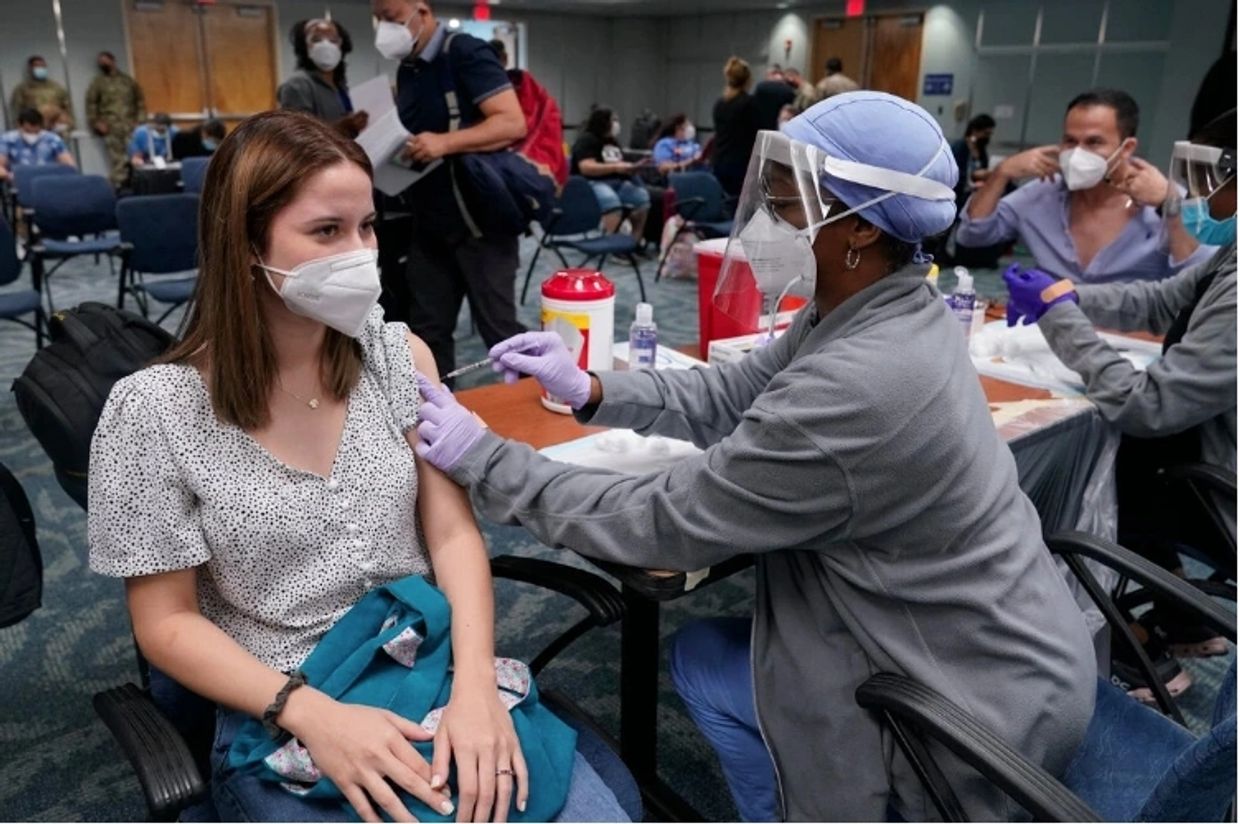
62,390
21,566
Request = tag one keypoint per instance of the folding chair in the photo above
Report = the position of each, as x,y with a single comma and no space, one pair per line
703,204
160,235
574,224
22,192
13,305
193,174
71,206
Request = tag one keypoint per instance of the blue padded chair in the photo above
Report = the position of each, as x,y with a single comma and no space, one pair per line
23,187
14,305
574,224
193,174
25,176
703,204
160,233
1134,764
71,206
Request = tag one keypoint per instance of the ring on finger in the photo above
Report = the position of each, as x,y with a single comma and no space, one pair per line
505,772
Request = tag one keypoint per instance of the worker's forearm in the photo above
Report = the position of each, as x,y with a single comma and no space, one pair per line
200,657
496,132
986,199
1180,243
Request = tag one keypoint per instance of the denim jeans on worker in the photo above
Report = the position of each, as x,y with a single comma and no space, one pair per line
240,797
710,667
613,197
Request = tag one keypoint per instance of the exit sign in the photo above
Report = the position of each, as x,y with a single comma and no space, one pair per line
854,8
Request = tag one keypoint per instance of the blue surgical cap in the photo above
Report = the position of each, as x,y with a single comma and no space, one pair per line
883,130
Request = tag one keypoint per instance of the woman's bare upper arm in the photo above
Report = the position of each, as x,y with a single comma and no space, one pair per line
152,598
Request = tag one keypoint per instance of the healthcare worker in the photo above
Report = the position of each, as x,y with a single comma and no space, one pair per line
1182,408
854,456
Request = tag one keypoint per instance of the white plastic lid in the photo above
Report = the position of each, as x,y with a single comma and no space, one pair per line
645,313
964,281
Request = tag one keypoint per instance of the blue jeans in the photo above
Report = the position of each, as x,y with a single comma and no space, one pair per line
614,198
240,797
710,667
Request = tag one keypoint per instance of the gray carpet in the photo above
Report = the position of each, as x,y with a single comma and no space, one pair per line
59,762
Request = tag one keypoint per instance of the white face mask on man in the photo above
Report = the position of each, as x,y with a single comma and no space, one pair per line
394,40
337,290
1083,169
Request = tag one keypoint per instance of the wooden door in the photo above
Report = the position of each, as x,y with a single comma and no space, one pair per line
165,54
241,73
895,55
842,37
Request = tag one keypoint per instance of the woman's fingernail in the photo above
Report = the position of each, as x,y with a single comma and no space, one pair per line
521,805
436,780
446,808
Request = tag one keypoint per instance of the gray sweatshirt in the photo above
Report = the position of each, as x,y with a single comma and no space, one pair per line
1192,384
856,457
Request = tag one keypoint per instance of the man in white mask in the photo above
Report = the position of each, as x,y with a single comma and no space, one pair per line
31,145
1094,213
454,98
319,86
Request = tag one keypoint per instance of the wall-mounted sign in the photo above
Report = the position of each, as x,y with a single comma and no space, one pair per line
937,84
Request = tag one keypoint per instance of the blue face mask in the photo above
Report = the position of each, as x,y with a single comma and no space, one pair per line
210,144
1209,230
39,72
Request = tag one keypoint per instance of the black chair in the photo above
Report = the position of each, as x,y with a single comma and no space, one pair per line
1134,763
74,215
574,224
170,759
15,305
703,204
160,233
193,174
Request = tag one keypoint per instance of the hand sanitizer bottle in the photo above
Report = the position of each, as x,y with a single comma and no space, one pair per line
643,338
963,299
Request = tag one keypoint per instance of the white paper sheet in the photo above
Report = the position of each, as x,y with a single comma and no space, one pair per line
1022,355
385,136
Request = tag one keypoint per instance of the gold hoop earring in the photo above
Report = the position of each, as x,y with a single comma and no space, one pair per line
852,260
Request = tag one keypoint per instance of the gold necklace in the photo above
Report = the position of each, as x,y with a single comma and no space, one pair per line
313,403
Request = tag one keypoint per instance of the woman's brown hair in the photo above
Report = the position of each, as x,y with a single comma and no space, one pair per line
736,75
256,172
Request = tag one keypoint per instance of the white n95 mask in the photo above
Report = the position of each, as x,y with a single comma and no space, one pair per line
339,290
1083,169
779,255
326,55
394,40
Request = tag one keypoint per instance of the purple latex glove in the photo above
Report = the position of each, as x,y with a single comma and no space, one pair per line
544,356
447,429
1025,288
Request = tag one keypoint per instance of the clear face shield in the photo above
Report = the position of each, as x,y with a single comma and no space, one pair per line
1201,171
769,265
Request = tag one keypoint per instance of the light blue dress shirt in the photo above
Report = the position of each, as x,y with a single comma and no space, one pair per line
1037,214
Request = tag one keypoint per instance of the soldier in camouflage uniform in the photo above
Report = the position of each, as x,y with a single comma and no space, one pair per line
36,91
114,106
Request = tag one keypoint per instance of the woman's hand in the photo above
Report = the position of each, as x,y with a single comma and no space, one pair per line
477,732
361,749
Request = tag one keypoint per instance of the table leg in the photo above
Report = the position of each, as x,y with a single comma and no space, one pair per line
639,708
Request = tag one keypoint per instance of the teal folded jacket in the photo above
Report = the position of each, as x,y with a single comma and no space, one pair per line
393,650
